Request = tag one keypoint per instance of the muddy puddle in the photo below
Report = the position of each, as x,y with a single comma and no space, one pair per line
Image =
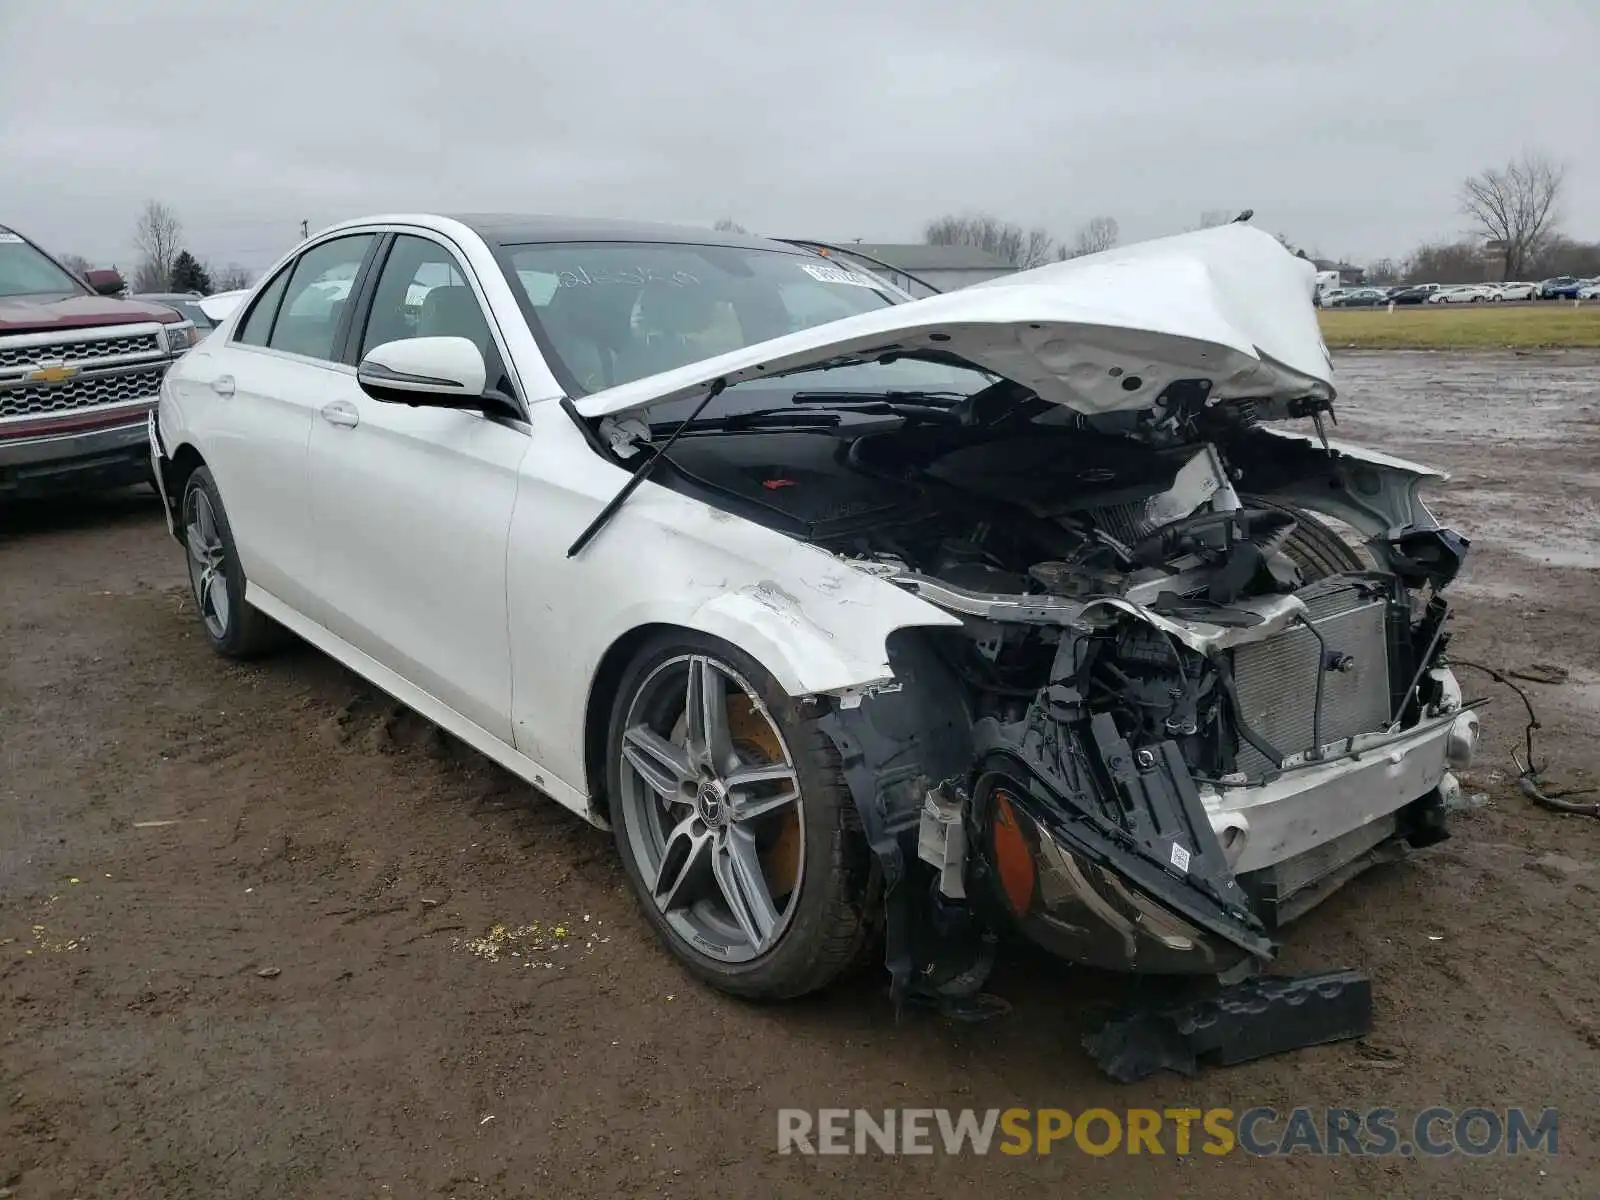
1519,434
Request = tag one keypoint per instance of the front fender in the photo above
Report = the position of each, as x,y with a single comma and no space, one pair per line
816,623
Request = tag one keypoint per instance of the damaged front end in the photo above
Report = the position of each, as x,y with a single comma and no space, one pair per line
1175,740
1178,707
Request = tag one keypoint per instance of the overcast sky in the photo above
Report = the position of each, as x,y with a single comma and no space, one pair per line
1347,126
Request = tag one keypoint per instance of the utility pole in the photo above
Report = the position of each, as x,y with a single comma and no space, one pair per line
305,230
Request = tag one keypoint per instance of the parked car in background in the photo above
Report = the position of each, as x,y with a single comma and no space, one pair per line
186,303
737,554
1359,298
1562,287
1590,290
1464,293
219,305
1327,297
1415,293
80,370
1518,291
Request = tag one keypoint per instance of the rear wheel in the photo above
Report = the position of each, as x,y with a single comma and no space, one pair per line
216,578
734,823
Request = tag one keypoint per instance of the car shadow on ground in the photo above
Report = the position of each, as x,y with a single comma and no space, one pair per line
89,510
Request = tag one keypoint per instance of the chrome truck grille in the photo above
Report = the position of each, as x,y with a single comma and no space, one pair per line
47,374
79,350
1277,679
86,391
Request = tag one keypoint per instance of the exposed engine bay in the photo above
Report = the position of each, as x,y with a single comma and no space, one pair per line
1152,740
1119,563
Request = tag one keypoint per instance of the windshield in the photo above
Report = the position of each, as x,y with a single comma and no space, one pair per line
612,312
26,272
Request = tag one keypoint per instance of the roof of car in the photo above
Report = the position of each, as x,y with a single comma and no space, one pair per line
511,229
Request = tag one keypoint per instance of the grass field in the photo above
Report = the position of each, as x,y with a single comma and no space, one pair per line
1463,327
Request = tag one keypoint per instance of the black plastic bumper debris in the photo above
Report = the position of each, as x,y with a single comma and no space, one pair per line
1259,1017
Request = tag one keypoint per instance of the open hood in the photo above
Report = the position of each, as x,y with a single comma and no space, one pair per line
1101,333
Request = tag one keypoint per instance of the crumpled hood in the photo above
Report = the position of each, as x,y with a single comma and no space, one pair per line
1101,333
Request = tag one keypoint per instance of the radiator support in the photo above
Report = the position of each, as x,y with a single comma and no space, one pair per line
1277,681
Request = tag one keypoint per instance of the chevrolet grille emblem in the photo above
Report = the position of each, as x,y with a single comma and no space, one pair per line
55,372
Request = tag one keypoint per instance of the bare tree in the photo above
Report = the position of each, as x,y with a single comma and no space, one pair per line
157,235
1447,262
1095,235
729,225
1037,247
1515,206
1004,239
229,278
1383,270
1563,256
76,263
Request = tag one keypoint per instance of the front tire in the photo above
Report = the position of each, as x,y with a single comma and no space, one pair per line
734,823
1315,547
216,578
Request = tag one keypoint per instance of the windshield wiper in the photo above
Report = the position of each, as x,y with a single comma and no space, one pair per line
756,418
905,399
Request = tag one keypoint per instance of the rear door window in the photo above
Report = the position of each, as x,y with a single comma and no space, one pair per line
257,325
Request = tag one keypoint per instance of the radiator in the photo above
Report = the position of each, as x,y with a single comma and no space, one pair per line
1277,679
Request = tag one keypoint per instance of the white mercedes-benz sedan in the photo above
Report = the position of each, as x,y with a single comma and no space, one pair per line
865,623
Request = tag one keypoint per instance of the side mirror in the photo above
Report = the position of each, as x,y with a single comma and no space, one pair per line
441,372
105,281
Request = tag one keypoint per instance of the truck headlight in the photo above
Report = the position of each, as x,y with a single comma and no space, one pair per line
181,336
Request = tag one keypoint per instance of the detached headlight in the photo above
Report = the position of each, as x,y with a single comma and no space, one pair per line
181,336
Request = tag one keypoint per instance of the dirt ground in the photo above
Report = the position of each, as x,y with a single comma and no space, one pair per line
247,913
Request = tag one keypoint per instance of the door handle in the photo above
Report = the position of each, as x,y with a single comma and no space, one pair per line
341,412
222,385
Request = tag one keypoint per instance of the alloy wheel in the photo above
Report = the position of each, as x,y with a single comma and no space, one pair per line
207,570
712,808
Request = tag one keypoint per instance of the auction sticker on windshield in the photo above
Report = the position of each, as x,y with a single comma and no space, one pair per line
838,275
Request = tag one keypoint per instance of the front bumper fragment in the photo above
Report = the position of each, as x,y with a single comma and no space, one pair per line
1266,824
1249,1020
159,466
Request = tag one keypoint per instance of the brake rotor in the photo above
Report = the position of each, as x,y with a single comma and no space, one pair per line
757,741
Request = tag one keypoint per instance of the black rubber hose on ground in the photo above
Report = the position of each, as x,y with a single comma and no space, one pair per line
1529,777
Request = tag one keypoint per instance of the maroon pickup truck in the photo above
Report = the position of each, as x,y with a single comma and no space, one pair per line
80,370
